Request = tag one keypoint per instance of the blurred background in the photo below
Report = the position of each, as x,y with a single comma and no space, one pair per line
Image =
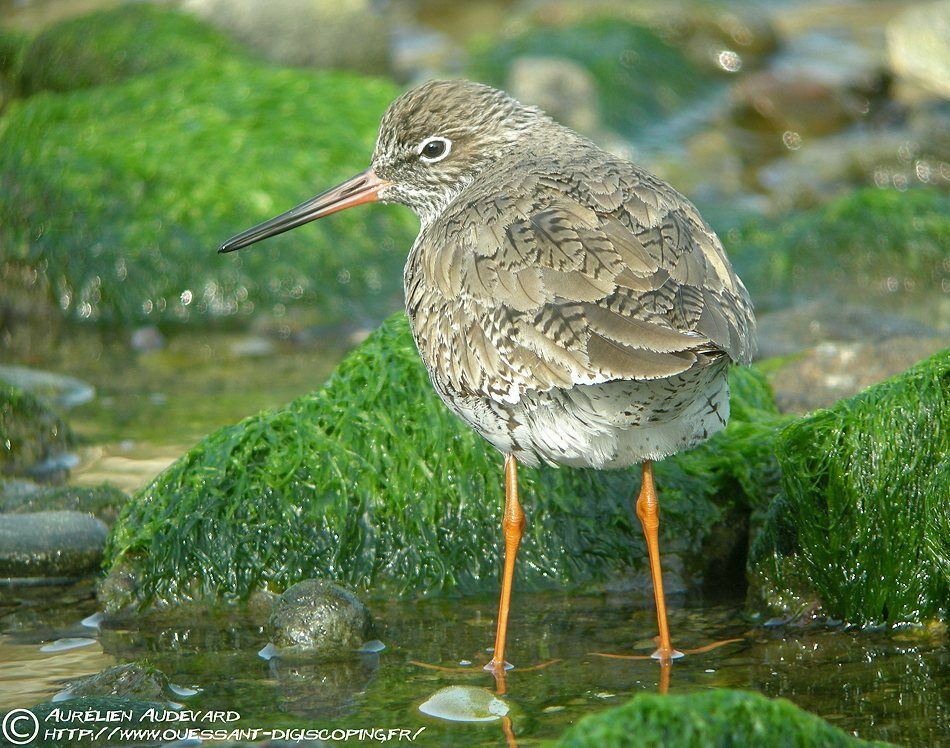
135,137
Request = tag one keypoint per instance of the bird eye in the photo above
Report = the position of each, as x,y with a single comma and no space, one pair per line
434,149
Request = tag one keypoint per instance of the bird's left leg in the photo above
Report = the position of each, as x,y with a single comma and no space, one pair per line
512,525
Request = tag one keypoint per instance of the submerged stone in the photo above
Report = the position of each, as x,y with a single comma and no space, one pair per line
721,717
464,704
319,616
30,433
372,483
863,526
130,681
142,176
50,544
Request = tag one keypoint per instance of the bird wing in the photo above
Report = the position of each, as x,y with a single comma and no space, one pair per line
551,281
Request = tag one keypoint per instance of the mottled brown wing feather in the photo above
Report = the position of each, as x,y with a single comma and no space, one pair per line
572,271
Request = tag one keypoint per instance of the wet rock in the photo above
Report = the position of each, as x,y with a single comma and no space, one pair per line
561,87
202,119
114,45
348,34
654,79
32,437
320,616
862,526
810,323
828,372
872,247
374,483
917,42
132,681
464,704
50,544
420,53
103,502
59,390
719,717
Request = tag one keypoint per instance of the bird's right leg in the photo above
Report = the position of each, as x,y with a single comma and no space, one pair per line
648,510
512,525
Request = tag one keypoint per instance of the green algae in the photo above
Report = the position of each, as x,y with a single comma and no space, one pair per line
640,77
864,522
371,482
872,244
708,718
29,431
113,45
119,195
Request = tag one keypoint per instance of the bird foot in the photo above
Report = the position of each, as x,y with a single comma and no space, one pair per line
491,666
668,655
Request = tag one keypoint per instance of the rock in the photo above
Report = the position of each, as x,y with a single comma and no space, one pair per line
341,34
320,616
874,246
103,502
862,526
147,338
32,437
561,87
244,140
464,704
132,681
810,323
114,45
828,372
917,43
654,79
372,483
61,391
719,717
50,544
420,54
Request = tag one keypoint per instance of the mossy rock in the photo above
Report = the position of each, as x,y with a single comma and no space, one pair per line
30,433
113,45
640,77
129,681
864,523
372,483
103,502
120,195
873,245
708,718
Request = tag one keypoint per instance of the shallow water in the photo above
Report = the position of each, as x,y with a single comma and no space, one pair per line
876,684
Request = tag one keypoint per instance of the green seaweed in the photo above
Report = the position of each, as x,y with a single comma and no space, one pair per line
119,195
371,482
872,244
13,46
113,45
29,431
640,77
864,522
708,718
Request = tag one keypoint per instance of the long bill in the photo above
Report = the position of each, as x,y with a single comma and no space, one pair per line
363,188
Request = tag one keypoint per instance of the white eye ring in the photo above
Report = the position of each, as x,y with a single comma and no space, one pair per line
445,142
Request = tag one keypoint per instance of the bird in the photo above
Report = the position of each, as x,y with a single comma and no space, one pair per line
571,307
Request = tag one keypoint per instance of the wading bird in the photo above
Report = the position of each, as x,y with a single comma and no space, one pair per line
569,306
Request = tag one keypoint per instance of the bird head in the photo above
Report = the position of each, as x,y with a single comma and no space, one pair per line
433,141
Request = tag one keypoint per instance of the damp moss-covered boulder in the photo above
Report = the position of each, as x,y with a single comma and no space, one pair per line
30,433
372,483
863,525
118,196
871,246
707,718
112,45
641,78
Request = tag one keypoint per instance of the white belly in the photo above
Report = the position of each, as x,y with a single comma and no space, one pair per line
610,425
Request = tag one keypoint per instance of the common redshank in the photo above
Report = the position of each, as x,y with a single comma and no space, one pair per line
569,306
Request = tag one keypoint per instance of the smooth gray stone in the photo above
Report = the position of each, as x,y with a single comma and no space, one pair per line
50,544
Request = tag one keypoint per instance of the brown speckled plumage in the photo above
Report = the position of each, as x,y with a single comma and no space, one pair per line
553,267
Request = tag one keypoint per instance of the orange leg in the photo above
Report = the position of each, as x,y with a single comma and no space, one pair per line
512,525
648,510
